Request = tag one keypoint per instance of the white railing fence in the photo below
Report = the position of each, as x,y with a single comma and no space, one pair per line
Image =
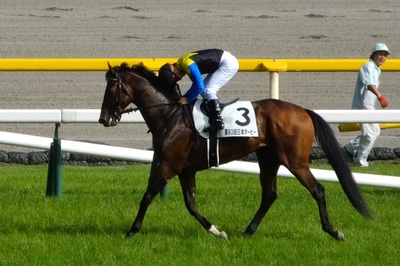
92,116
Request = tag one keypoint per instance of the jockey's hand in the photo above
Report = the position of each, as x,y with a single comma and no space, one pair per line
383,101
183,101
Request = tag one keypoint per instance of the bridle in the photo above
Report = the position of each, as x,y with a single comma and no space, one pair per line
117,103
117,100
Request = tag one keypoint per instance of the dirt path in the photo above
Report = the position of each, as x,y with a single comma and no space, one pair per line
260,29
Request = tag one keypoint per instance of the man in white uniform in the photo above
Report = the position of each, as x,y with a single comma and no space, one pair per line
366,94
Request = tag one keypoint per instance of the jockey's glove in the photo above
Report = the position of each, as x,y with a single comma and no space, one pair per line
183,101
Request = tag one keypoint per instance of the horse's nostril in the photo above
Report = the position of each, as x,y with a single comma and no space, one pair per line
104,122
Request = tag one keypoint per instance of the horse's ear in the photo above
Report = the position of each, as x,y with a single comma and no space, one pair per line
111,69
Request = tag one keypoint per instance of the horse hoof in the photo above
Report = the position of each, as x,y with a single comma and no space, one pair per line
129,235
339,236
247,235
216,232
223,235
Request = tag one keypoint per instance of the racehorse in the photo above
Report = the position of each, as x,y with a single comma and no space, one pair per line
286,135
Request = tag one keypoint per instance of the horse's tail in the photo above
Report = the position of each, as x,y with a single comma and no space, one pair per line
325,137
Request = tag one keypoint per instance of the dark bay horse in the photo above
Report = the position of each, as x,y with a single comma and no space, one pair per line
286,136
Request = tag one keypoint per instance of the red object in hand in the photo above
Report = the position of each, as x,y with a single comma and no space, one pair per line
383,101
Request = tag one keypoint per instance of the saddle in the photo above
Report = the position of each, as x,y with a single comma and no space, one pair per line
204,107
212,140
239,121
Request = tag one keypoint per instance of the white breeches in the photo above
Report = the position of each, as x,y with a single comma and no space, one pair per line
362,144
213,82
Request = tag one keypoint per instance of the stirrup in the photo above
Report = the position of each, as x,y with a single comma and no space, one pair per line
215,127
219,125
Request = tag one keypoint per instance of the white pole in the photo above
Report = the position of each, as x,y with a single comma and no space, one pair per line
77,147
147,157
321,175
274,85
92,115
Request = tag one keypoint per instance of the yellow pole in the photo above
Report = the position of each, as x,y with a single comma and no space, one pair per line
346,127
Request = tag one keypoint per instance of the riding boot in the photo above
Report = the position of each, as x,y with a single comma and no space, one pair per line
215,118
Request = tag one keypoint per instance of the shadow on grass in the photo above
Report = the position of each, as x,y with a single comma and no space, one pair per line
190,230
377,191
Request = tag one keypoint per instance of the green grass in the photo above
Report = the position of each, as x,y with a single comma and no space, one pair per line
86,225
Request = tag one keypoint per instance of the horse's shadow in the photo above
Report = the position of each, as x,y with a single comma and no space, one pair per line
185,230
71,229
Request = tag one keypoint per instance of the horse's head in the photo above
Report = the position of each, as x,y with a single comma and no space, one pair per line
136,85
116,97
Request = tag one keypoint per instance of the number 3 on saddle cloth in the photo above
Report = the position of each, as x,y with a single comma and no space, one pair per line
239,120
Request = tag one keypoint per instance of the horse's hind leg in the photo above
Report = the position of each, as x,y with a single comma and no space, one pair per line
188,184
269,167
307,179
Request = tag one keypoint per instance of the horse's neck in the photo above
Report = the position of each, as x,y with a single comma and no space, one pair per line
155,107
147,95
144,92
159,116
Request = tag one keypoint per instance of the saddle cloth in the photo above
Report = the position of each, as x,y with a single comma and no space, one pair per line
239,119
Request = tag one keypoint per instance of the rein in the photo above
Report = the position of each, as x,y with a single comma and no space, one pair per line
118,114
128,110
155,105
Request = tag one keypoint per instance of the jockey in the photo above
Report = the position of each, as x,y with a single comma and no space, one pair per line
220,66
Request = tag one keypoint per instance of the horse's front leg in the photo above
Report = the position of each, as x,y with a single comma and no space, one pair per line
157,181
147,198
188,184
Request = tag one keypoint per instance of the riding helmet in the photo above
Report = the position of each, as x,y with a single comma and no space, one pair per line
166,76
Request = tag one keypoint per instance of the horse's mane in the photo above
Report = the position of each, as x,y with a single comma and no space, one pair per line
141,71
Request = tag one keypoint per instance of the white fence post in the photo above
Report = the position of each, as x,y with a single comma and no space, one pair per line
274,84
